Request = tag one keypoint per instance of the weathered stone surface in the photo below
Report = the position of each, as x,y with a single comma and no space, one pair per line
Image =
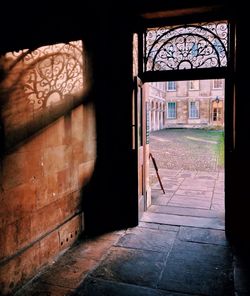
183,211
139,267
201,193
42,289
148,239
98,287
68,273
160,200
201,269
199,235
92,249
213,223
148,225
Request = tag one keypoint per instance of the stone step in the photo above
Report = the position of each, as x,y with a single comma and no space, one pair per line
184,211
178,220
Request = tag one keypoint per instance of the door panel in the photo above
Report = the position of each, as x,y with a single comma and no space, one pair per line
139,142
145,140
144,197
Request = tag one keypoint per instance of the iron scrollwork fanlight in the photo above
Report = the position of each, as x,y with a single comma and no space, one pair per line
186,47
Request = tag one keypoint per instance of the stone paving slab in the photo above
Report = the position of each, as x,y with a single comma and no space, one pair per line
201,193
167,172
172,179
148,239
182,211
99,287
207,175
194,205
148,225
219,190
195,186
202,269
169,227
218,208
161,201
158,226
199,235
211,223
197,181
68,275
131,266
219,182
219,196
159,192
190,199
167,185
218,202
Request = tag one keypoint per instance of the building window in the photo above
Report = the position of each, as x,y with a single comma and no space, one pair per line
217,83
194,84
171,110
194,109
171,86
217,114
217,111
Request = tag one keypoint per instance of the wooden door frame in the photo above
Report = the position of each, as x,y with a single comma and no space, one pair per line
227,73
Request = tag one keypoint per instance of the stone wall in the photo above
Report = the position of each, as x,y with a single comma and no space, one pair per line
204,93
48,156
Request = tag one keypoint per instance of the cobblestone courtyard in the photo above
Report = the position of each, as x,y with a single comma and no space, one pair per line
187,149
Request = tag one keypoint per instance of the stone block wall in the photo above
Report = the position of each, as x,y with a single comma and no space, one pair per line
48,156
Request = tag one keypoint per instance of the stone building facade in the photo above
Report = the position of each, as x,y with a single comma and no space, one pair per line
195,103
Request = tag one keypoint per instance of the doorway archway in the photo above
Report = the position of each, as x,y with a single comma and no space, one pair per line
187,52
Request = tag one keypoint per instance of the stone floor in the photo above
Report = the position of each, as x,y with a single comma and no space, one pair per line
178,248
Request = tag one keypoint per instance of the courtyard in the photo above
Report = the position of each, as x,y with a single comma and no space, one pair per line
191,167
188,149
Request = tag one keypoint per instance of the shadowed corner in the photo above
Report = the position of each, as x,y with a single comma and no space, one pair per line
241,264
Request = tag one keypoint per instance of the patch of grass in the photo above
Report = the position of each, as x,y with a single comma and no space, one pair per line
220,150
212,135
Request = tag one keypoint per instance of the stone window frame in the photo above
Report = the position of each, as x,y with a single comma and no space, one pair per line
194,113
171,85
173,114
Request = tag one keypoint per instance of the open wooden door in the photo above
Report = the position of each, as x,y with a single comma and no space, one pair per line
142,145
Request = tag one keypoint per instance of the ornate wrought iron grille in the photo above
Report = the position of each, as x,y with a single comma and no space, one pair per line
46,75
190,46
